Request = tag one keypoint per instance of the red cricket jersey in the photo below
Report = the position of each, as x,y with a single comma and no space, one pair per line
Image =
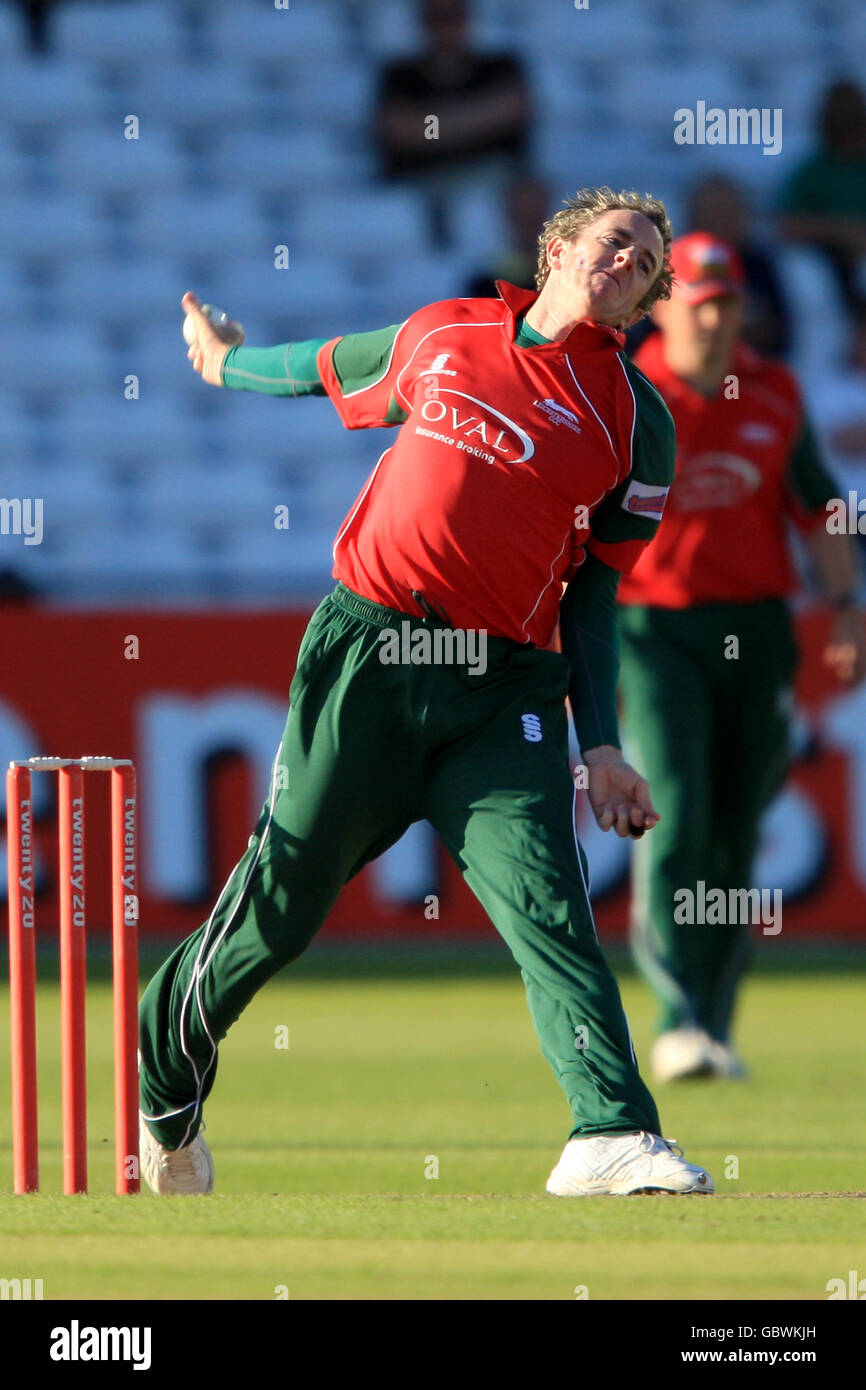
724,534
478,505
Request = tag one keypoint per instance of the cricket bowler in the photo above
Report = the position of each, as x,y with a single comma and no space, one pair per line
530,469
708,651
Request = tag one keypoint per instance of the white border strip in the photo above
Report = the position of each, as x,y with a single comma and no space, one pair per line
201,966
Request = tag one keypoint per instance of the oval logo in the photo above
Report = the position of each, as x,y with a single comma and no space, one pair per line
475,422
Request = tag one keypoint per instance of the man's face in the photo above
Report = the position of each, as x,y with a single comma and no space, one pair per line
610,265
706,331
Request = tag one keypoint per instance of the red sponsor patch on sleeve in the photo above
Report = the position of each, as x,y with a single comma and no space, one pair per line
645,499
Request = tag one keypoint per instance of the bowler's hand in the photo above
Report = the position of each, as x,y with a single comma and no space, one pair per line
845,652
208,349
618,796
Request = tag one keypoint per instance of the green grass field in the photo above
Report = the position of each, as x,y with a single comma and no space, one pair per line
322,1151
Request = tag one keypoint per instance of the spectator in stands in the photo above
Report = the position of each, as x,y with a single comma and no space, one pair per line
527,207
36,15
451,114
824,202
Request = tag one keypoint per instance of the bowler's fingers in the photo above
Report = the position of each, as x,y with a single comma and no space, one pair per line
615,815
641,821
190,305
627,819
643,803
204,329
605,817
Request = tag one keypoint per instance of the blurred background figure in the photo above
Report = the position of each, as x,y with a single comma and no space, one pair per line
823,203
721,205
451,115
526,208
708,653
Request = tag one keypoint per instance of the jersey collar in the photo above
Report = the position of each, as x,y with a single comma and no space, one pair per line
586,336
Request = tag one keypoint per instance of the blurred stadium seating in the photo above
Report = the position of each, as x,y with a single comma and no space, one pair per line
256,134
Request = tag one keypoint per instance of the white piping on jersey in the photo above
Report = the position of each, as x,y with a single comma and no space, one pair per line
595,413
351,517
545,587
370,384
633,416
494,323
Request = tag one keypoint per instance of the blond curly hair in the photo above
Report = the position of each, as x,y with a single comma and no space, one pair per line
587,205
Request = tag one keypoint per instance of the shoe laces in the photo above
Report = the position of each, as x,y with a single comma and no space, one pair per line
649,1143
188,1156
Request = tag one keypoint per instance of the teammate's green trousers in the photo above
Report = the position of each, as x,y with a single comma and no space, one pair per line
367,749
706,722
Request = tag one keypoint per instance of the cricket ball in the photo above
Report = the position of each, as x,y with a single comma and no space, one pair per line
227,330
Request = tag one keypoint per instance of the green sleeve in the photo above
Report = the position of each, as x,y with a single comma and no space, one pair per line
287,370
358,360
811,484
361,360
589,634
629,516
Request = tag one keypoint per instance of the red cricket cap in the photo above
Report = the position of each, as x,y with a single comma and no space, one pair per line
705,267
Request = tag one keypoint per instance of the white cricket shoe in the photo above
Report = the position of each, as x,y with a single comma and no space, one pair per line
681,1053
166,1171
619,1164
726,1063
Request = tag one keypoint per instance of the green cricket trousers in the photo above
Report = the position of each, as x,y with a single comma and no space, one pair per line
370,746
706,722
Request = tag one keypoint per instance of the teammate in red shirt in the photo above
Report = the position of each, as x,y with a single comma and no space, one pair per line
708,654
531,457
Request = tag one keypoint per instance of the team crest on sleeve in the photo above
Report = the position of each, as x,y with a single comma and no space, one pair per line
645,499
